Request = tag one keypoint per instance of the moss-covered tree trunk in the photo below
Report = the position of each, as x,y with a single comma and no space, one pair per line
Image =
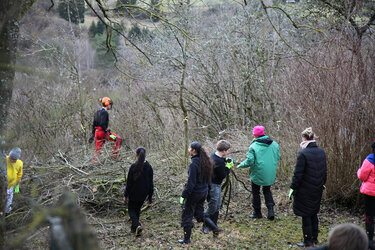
11,11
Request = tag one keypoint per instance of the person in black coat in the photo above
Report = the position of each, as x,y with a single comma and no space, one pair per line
196,188
307,186
139,186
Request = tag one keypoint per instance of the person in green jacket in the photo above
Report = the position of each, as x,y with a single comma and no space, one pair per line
262,159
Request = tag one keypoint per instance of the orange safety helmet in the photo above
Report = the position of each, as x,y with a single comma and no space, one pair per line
106,101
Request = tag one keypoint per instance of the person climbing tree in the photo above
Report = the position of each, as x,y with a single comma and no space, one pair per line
309,178
139,186
221,170
100,130
195,191
14,173
367,175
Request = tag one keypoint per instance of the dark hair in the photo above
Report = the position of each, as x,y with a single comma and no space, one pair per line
222,145
373,146
205,161
347,236
138,165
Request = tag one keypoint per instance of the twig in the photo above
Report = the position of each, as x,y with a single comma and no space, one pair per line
70,165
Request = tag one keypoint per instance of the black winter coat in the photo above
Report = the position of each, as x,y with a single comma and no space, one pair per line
138,189
310,175
195,183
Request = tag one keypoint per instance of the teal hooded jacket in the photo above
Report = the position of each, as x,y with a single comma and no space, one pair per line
262,159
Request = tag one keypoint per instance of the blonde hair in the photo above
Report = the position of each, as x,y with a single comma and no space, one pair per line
308,134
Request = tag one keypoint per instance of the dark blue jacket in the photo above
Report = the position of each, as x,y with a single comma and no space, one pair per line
195,183
220,170
310,174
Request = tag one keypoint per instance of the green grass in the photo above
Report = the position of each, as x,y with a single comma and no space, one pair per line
162,229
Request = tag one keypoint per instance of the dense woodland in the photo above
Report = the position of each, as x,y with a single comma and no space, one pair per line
177,72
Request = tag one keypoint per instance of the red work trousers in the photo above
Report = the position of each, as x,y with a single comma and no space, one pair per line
101,137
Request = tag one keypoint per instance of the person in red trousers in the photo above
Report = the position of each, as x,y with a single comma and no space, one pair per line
100,130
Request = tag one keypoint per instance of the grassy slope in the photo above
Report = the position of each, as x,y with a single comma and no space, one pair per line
162,229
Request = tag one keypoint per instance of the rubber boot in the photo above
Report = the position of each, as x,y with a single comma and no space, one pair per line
187,234
271,213
205,229
307,238
256,214
215,217
370,230
216,230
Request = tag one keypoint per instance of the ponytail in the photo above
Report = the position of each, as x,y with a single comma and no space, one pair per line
205,161
138,165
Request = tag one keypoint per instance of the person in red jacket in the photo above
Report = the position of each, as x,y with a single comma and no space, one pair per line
367,175
100,130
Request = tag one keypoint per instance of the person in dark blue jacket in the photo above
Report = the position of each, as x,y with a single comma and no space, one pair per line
196,188
139,186
310,175
222,166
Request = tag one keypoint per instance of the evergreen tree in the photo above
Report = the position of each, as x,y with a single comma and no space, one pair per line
93,29
155,9
100,28
73,10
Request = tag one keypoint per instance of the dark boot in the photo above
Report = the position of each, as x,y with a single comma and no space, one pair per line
213,226
315,231
205,229
256,214
370,228
307,238
187,234
215,217
271,213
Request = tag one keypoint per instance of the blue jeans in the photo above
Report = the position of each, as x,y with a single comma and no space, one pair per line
215,199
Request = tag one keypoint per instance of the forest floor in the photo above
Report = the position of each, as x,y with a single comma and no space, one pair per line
162,229
109,220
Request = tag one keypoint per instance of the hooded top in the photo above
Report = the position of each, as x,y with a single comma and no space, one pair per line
262,159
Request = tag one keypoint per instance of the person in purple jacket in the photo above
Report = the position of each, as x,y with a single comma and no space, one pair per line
367,175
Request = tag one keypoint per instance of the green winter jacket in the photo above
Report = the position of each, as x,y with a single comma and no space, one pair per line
262,159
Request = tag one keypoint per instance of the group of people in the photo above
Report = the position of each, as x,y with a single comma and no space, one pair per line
206,175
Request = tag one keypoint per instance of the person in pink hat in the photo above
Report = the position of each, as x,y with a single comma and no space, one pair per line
262,159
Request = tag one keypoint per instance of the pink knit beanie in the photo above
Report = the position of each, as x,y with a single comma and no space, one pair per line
258,130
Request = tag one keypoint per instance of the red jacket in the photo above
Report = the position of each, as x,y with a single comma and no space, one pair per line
367,175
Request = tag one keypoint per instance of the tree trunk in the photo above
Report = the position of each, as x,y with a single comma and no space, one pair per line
11,12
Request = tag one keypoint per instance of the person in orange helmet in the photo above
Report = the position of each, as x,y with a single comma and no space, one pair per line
100,130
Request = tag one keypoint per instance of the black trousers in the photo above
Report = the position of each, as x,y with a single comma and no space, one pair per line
370,212
255,189
193,207
134,210
310,227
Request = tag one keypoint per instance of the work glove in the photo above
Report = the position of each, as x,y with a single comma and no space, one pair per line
113,137
125,200
91,139
229,162
17,189
291,191
182,200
